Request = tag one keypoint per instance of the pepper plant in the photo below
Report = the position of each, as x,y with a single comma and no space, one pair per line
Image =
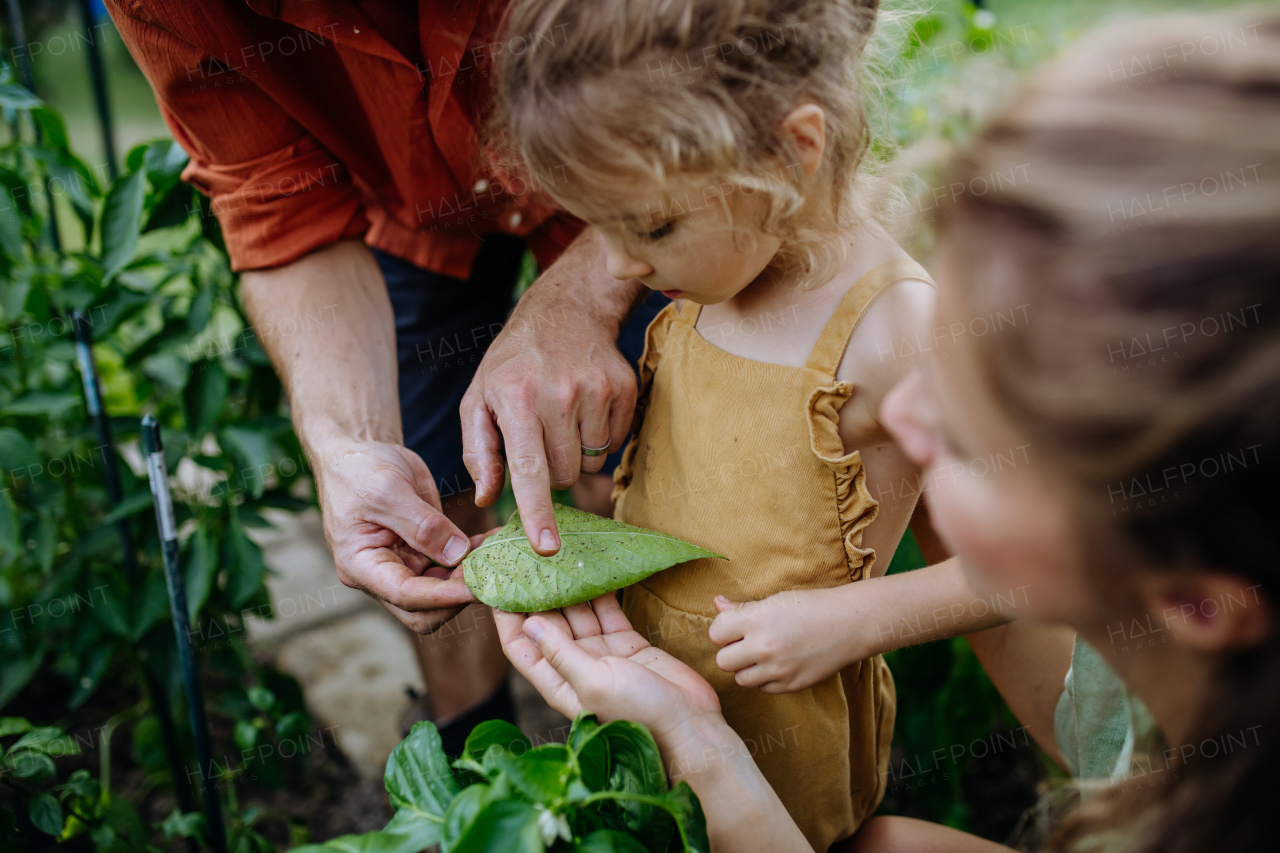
603,791
143,261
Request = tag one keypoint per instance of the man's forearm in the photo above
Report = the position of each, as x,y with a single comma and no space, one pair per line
578,288
338,357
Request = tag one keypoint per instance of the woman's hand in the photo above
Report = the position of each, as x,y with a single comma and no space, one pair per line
588,656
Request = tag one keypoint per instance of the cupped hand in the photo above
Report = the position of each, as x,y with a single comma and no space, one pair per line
388,535
551,383
777,643
589,657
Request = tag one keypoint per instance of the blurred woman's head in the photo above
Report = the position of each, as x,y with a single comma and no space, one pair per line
1103,415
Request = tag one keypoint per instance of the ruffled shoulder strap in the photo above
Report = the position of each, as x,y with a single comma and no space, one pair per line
833,341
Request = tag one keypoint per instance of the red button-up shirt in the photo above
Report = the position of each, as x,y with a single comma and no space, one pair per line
305,125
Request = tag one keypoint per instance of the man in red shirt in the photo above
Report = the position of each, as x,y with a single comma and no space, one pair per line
338,142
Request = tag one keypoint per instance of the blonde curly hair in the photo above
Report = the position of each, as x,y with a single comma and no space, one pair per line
619,93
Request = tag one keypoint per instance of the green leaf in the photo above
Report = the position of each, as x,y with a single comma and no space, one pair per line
629,752
294,724
28,763
205,396
44,738
200,572
93,667
498,732
46,814
252,447
597,555
413,839
16,670
13,726
261,698
17,451
462,813
168,369
135,503
244,563
540,777
621,756
246,735
10,226
121,223
18,98
418,775
504,826
184,825
683,806
489,733
9,526
43,404
609,841
150,605
52,126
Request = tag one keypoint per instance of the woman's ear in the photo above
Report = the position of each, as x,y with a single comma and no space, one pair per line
806,127
1209,611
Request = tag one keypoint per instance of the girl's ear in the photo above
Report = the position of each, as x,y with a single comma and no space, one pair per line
1209,611
806,128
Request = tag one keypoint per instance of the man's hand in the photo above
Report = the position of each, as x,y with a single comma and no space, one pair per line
780,644
382,513
552,382
388,536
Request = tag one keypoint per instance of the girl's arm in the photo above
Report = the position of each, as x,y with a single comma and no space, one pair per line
795,639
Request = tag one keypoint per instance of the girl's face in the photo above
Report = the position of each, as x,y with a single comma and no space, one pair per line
689,241
988,489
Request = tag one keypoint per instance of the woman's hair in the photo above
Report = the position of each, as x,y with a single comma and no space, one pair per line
1132,202
637,92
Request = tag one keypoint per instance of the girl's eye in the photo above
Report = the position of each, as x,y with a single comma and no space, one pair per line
661,231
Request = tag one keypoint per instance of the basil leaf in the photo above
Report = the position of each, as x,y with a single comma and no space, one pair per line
679,806
505,826
597,555
418,775
462,813
541,776
489,733
609,841
46,814
498,732
371,842
626,756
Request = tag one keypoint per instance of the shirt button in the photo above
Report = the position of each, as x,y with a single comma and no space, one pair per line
481,186
515,220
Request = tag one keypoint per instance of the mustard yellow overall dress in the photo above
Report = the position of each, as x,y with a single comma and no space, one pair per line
745,458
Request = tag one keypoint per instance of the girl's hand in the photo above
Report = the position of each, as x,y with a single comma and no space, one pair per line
588,656
782,643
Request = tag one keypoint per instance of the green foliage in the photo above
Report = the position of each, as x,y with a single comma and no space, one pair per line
605,791
597,555
169,339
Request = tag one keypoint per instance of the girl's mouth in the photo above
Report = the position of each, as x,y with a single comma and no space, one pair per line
671,294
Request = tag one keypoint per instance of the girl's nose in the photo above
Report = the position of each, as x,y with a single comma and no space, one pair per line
623,266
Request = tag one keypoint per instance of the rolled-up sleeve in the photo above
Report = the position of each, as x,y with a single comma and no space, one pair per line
277,192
